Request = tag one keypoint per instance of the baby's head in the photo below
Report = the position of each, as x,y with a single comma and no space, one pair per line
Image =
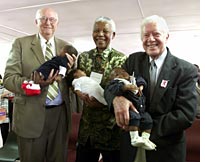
68,49
74,74
119,73
78,73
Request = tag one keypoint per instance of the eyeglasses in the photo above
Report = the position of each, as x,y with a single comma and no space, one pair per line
45,19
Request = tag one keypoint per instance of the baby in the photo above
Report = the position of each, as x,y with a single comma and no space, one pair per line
84,84
122,84
58,63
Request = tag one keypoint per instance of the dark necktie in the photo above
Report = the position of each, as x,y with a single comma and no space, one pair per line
153,77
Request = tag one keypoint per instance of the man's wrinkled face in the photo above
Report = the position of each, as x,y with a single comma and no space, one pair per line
47,23
154,40
102,35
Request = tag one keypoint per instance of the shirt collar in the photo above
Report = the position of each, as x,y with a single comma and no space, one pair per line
104,54
160,60
43,40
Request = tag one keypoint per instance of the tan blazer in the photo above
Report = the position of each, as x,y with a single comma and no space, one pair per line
29,111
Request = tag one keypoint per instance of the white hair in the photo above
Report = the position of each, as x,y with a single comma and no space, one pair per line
107,20
40,11
155,19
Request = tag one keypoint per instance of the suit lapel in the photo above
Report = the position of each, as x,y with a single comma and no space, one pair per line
165,78
58,46
144,71
145,65
37,50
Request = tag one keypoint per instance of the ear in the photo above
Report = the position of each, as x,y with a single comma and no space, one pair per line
167,37
113,35
36,21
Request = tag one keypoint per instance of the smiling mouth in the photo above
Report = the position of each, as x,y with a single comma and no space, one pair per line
100,40
152,45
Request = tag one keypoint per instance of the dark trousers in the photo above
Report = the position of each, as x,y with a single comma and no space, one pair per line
89,154
127,151
4,131
141,120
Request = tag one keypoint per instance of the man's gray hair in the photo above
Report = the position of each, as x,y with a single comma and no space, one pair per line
39,12
155,19
107,20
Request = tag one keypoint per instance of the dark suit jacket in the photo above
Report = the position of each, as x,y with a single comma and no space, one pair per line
173,105
29,111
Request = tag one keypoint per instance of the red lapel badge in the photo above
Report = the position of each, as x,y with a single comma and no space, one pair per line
164,83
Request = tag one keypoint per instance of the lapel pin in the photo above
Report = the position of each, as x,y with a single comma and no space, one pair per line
164,83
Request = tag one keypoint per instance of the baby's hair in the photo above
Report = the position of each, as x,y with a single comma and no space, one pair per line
70,77
119,73
70,49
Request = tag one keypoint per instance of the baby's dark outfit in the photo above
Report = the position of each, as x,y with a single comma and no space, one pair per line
54,63
142,119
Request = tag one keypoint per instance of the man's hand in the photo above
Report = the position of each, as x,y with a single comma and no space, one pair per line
89,100
71,60
130,87
38,79
121,109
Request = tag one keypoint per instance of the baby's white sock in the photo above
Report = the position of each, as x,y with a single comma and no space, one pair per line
145,135
134,134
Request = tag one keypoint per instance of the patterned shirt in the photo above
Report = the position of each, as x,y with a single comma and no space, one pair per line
98,124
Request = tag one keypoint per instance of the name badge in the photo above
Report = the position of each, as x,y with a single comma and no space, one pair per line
96,76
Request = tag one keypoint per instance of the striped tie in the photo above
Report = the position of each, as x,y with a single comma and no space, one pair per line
53,88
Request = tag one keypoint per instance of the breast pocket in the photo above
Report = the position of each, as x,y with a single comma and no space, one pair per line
168,99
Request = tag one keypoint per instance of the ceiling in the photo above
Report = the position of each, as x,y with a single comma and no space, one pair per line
77,17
